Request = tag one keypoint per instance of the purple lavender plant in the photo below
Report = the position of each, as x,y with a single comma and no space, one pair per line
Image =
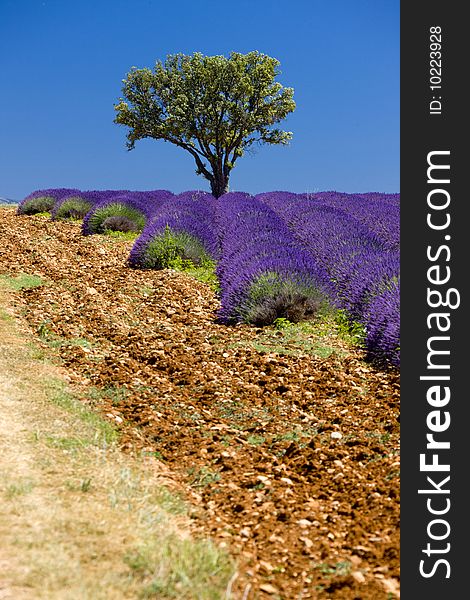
183,229
383,325
380,213
137,207
43,200
77,205
263,273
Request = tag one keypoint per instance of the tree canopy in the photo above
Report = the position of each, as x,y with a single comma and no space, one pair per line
214,107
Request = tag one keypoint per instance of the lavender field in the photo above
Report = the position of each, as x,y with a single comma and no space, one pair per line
248,345
276,255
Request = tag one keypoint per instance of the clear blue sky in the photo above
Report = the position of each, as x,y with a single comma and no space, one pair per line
62,63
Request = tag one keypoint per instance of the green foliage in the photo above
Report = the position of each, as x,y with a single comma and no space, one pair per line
282,323
4,316
21,487
182,252
350,329
213,107
116,394
73,208
256,440
42,204
121,235
206,273
115,209
119,224
326,334
176,250
269,284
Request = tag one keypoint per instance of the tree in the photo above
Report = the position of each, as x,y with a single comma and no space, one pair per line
212,106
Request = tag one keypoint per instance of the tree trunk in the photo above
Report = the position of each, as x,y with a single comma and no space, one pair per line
219,185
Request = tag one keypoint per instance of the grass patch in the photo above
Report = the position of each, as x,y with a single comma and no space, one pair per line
4,316
54,341
116,394
205,273
21,282
101,431
327,334
122,235
340,569
83,486
19,488
256,440
295,340
146,291
203,476
66,443
288,436
197,569
302,437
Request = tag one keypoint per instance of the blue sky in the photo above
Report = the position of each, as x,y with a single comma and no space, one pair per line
62,63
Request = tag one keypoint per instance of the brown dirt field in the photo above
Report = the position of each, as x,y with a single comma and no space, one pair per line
291,461
80,519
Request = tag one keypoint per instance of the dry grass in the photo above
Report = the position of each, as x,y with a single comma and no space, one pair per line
79,519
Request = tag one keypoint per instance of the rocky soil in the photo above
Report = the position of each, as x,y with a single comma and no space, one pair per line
290,460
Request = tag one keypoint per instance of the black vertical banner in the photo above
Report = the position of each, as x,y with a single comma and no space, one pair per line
435,259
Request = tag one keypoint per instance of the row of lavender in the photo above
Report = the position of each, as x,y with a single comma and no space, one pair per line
262,271
356,239
278,254
380,213
120,210
281,255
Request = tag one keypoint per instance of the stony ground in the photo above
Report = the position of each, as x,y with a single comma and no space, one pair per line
290,460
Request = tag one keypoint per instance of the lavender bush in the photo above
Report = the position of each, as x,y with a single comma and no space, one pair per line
123,224
77,205
183,229
137,207
263,273
43,200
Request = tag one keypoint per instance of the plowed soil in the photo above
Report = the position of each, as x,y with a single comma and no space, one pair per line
290,460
